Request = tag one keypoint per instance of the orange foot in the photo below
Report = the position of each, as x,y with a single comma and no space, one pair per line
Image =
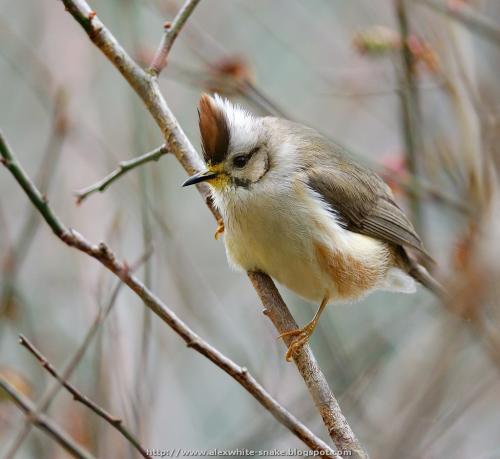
220,229
301,337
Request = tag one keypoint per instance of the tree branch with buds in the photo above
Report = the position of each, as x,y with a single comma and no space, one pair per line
171,32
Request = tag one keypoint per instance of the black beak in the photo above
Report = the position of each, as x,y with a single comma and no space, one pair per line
200,177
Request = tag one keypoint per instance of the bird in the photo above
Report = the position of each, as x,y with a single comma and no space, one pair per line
296,206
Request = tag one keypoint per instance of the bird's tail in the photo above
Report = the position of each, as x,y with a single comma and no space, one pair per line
420,274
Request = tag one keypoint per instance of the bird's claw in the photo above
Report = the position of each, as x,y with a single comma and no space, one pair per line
301,337
220,230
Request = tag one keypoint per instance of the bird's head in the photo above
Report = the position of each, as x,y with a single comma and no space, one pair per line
234,143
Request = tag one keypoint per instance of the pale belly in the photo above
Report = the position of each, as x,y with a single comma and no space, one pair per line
295,239
276,252
309,254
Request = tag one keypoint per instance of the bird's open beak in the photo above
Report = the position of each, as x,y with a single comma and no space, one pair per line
202,176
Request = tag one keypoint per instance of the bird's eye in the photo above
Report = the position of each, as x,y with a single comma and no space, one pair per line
240,161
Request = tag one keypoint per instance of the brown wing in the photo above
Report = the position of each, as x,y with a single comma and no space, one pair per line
364,202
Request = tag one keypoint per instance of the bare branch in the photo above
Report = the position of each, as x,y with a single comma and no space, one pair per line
44,423
37,199
117,423
146,86
107,258
45,401
122,169
171,32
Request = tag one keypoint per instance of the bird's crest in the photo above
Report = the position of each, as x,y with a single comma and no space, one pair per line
214,130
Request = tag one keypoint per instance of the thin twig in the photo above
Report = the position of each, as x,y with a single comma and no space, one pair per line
474,21
122,169
44,423
409,109
16,255
46,400
171,32
77,395
117,423
146,87
107,258
142,385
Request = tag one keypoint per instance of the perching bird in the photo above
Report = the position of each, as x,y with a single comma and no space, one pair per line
297,207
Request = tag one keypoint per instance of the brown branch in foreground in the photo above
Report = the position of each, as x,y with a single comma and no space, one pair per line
146,87
122,169
171,32
117,423
44,423
107,258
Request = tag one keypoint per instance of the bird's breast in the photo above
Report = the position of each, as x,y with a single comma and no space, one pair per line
296,240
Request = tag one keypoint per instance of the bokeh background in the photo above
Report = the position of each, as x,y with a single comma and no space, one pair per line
416,378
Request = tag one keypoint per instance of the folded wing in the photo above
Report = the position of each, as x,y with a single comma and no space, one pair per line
365,204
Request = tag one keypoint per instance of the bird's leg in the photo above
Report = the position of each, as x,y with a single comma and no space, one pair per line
302,335
220,229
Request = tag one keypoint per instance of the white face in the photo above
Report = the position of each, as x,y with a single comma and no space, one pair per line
242,152
247,159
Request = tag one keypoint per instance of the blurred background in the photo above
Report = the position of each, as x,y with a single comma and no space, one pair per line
411,90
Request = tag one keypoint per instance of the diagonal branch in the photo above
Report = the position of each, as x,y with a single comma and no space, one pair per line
115,422
45,401
44,423
146,87
335,422
122,169
107,258
171,32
